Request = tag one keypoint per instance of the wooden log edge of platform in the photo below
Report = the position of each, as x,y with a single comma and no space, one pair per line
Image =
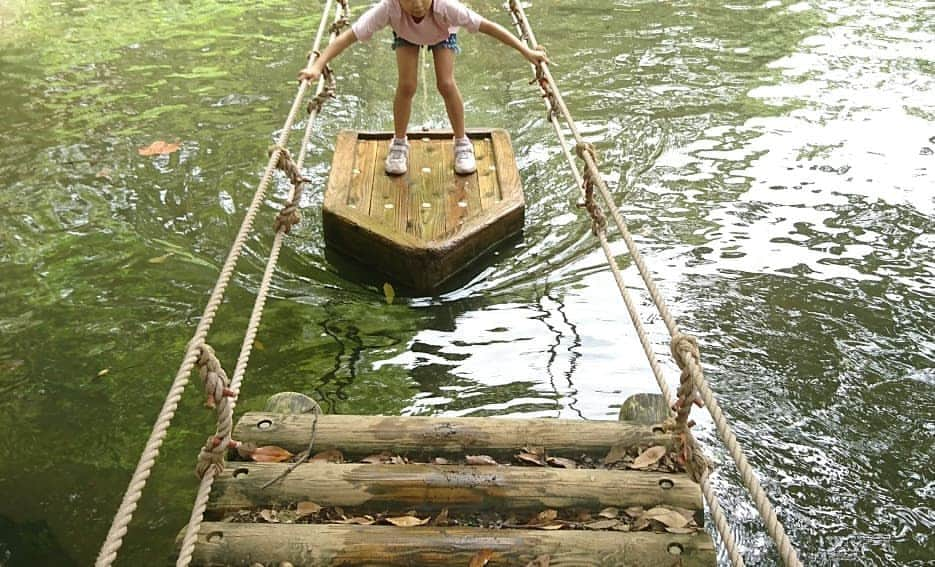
429,488
428,437
329,544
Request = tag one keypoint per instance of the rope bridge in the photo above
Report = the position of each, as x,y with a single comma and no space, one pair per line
221,393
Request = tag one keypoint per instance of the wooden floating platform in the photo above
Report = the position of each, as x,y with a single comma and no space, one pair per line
422,227
415,497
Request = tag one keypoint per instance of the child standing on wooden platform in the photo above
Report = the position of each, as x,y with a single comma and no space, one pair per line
422,23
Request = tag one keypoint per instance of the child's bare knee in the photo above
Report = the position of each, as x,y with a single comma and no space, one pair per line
446,86
406,90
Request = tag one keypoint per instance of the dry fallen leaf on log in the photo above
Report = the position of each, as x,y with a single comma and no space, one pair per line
270,454
159,148
545,516
377,459
481,558
407,521
617,453
669,518
602,524
269,516
480,460
329,456
307,508
531,458
441,519
648,457
562,463
609,513
685,530
358,520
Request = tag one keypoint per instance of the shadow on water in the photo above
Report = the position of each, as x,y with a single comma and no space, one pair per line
458,285
773,159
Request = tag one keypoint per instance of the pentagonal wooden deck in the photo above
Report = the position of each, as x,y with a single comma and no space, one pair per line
405,491
422,227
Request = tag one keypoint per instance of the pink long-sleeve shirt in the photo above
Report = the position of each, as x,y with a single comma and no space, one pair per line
444,18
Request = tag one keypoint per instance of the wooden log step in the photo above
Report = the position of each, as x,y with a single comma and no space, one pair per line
427,437
376,488
328,544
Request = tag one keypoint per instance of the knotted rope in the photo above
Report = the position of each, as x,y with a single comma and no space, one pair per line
289,215
118,529
204,489
218,396
554,101
598,220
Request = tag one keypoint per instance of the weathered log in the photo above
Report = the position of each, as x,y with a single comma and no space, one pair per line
328,544
647,409
426,437
290,402
375,488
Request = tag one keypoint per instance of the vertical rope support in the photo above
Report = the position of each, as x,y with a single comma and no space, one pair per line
118,529
720,522
555,101
773,526
204,489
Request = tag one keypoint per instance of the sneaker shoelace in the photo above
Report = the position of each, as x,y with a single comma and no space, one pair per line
463,151
397,152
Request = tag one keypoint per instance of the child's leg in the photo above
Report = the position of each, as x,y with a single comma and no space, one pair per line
448,88
407,65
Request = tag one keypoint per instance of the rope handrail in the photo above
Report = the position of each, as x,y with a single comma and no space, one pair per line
118,529
693,380
281,227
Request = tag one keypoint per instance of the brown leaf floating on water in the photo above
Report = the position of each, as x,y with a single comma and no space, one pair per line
648,457
159,148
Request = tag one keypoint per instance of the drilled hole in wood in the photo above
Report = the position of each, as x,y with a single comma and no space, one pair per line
675,549
215,537
666,484
264,424
241,472
658,429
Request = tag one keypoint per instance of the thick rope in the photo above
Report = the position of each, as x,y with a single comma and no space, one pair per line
204,489
134,492
684,358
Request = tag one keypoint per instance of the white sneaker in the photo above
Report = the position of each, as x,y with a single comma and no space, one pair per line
398,157
464,157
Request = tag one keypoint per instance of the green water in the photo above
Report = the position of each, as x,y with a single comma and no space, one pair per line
774,159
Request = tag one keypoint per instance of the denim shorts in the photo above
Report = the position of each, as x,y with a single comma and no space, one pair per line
451,43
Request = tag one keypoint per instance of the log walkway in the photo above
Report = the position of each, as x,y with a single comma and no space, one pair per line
453,491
